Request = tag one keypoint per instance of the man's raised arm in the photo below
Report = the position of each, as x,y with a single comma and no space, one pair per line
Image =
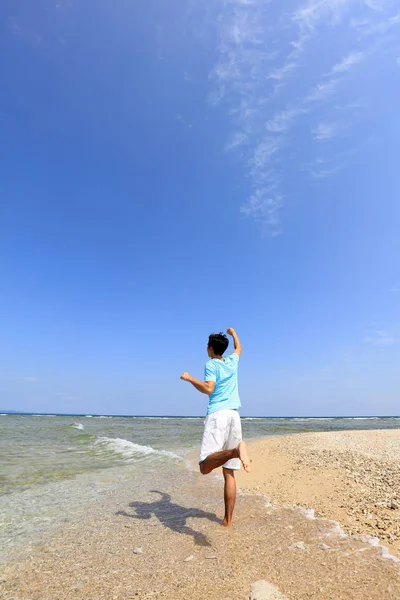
236,341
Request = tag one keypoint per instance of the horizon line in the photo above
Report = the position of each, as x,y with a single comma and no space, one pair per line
22,413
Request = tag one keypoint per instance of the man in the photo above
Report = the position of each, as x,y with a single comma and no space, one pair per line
222,444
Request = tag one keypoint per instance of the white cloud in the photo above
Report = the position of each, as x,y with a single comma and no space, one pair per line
352,59
310,14
237,139
13,26
282,121
322,91
382,338
359,104
325,131
263,154
28,379
367,27
22,32
283,71
264,204
377,5
264,74
323,173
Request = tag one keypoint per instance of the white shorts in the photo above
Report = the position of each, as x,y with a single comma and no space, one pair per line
222,431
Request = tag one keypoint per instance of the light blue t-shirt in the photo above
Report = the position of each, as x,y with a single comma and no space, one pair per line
225,375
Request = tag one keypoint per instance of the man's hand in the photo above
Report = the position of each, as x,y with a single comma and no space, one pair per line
185,376
236,342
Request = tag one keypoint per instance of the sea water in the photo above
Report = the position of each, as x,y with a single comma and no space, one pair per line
53,468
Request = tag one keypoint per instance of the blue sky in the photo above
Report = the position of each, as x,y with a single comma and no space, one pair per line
173,169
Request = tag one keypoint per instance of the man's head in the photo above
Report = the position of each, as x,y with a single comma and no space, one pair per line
217,344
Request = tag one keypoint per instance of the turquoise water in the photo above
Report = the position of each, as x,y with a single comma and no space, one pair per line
35,450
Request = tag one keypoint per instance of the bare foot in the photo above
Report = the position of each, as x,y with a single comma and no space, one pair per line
226,523
244,457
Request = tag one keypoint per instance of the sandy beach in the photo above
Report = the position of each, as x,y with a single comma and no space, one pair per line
169,543
350,476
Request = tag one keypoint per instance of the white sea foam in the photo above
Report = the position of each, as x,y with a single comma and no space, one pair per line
3,414
130,450
88,416
78,426
102,417
374,541
361,418
309,513
312,419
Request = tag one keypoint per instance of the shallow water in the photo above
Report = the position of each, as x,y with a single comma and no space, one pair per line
39,449
164,539
57,471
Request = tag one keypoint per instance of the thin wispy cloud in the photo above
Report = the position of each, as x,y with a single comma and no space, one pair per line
281,73
323,173
322,91
382,338
352,59
378,5
23,32
359,104
370,27
325,131
267,80
310,14
28,379
282,121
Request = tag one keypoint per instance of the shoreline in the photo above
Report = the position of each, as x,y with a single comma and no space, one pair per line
351,477
161,537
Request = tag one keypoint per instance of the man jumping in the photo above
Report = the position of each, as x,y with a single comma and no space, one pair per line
222,444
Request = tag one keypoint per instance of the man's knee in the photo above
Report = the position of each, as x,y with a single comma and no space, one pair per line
228,472
204,470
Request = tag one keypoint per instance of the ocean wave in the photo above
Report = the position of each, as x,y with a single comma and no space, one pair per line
361,418
130,450
298,419
101,417
77,426
88,416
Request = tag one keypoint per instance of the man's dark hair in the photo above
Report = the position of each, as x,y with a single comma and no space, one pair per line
218,342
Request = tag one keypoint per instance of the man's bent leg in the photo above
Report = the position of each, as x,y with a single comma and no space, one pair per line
217,459
229,495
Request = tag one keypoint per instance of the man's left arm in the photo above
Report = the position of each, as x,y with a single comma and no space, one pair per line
205,387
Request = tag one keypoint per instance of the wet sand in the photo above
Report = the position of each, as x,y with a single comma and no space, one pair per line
350,476
170,544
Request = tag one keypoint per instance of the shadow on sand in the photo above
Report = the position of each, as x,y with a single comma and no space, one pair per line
172,515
